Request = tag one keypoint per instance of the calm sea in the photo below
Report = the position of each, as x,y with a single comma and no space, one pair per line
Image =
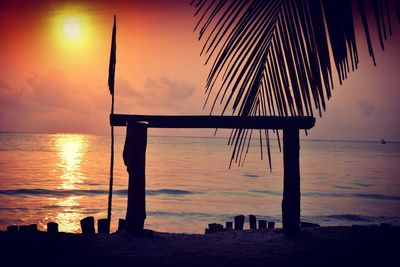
64,178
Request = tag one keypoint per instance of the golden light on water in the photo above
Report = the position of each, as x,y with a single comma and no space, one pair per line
69,218
71,149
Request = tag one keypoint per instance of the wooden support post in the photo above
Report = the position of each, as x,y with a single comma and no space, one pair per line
291,181
135,159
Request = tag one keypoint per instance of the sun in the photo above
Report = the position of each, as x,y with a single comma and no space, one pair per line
72,28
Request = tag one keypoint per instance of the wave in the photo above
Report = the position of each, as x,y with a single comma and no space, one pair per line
249,175
351,217
81,192
333,194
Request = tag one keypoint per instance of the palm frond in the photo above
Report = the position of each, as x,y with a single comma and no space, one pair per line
272,57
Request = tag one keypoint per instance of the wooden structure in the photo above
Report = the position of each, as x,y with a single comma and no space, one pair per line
135,156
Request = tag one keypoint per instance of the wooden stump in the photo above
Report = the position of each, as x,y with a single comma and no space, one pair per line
52,227
239,222
291,181
12,228
229,225
271,225
135,159
87,225
103,226
253,222
121,224
262,224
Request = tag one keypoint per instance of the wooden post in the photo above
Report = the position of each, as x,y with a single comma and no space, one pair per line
87,226
253,222
135,159
52,227
291,181
239,222
103,226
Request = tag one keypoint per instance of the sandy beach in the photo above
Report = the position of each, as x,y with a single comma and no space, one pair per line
320,246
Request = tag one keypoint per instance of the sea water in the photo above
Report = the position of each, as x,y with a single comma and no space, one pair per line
65,177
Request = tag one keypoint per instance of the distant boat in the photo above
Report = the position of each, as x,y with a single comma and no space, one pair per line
383,141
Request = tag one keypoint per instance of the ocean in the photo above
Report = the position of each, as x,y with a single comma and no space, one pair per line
64,178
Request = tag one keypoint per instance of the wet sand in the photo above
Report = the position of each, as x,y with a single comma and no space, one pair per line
320,246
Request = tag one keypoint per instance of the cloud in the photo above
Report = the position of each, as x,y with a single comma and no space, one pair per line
162,95
53,103
366,108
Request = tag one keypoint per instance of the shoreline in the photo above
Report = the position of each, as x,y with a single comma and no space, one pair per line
315,246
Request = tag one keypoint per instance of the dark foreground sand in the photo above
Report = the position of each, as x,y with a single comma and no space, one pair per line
325,246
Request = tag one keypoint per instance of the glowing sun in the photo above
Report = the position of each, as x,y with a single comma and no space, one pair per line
72,29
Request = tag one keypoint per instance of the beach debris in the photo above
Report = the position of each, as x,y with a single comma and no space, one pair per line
103,226
87,225
52,227
12,228
229,225
121,225
308,224
262,224
239,222
253,222
271,225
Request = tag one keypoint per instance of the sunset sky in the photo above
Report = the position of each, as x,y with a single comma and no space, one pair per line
54,70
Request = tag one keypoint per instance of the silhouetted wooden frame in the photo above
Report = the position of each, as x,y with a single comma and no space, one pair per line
137,129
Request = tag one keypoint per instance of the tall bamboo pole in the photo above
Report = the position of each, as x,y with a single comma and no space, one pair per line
111,78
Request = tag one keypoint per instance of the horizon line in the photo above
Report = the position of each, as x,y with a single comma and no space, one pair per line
190,136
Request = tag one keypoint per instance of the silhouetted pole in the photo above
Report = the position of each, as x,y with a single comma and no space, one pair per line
135,159
291,181
111,77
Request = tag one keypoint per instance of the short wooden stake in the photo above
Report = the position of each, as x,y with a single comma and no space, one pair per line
239,222
262,224
87,225
135,159
271,225
121,225
253,222
229,225
103,226
52,227
12,228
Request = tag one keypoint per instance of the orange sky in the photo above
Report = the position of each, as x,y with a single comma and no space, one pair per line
52,83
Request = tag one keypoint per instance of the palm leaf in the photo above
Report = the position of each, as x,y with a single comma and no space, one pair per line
272,57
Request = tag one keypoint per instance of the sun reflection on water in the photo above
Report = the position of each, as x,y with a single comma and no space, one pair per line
69,218
71,149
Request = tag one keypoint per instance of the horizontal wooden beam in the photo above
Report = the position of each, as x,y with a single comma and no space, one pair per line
222,122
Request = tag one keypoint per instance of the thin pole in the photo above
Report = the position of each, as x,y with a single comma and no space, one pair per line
111,166
111,78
